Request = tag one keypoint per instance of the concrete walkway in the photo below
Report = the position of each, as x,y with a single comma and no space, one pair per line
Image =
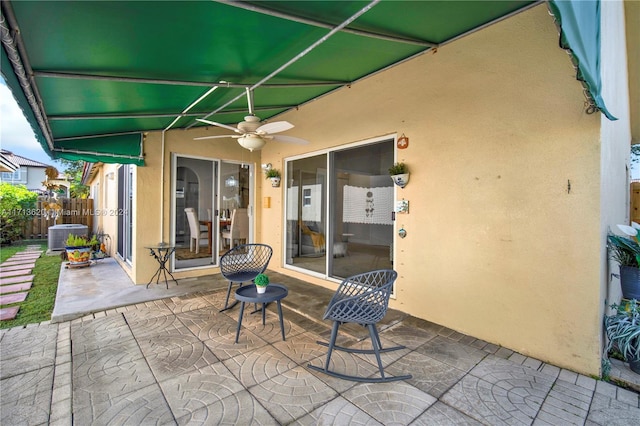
174,361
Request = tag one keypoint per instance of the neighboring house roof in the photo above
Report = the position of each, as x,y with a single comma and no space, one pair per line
20,160
6,165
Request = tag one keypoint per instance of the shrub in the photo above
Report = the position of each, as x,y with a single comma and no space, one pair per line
17,207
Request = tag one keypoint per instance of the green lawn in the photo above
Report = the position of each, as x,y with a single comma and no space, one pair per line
39,303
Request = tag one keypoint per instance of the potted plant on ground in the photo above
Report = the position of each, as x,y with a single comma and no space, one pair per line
79,248
626,251
623,333
261,281
399,174
274,175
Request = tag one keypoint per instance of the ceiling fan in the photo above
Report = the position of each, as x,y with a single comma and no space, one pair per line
251,134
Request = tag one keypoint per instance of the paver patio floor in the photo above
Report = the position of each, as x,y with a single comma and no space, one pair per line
174,361
116,353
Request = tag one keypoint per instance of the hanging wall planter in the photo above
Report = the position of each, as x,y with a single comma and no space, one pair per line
399,174
274,176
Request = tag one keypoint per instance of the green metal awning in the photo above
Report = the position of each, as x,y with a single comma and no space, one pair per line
92,76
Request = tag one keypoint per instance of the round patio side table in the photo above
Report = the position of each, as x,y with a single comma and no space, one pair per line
161,253
249,293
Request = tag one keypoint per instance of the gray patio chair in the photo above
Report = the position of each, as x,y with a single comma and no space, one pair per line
362,299
242,264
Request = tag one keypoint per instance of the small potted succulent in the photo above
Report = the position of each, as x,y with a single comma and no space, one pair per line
623,332
261,281
399,174
79,248
274,175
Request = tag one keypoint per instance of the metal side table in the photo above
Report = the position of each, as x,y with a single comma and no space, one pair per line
162,253
249,293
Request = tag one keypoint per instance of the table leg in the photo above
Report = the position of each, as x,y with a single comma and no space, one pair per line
239,321
281,322
264,306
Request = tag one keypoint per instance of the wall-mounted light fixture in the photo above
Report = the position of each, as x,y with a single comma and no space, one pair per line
266,166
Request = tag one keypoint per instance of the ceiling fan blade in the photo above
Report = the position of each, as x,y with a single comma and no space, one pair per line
275,127
213,123
289,139
215,137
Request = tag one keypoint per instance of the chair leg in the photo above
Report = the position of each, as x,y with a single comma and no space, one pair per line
377,349
226,302
375,342
332,342
197,245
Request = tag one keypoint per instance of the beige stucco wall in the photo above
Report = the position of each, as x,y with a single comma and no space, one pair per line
505,231
497,245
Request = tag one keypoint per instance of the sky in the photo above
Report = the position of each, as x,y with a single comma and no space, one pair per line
16,134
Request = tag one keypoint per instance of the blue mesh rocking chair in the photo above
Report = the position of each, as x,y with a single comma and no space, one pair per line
242,264
362,299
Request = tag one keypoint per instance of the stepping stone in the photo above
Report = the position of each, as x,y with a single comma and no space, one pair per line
12,273
14,288
24,256
14,261
28,266
14,280
9,313
13,298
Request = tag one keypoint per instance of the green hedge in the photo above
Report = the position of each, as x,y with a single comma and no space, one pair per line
17,206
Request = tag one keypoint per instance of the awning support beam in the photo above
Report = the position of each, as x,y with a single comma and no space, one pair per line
306,21
75,76
298,56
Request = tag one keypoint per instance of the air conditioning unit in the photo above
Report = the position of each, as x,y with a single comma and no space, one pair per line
58,234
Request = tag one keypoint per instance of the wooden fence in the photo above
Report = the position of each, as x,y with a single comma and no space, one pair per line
74,210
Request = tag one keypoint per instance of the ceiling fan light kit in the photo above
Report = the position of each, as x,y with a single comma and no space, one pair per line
251,142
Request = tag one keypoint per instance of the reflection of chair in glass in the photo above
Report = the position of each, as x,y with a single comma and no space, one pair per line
243,263
239,228
196,233
361,299
317,238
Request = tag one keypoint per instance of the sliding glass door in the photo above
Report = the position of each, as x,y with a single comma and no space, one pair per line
195,193
306,213
362,209
339,222
205,194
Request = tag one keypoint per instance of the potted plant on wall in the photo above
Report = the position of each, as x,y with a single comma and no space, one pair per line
274,176
623,333
261,281
399,174
79,248
626,251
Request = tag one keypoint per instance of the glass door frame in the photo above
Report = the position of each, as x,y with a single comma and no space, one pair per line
215,188
329,203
